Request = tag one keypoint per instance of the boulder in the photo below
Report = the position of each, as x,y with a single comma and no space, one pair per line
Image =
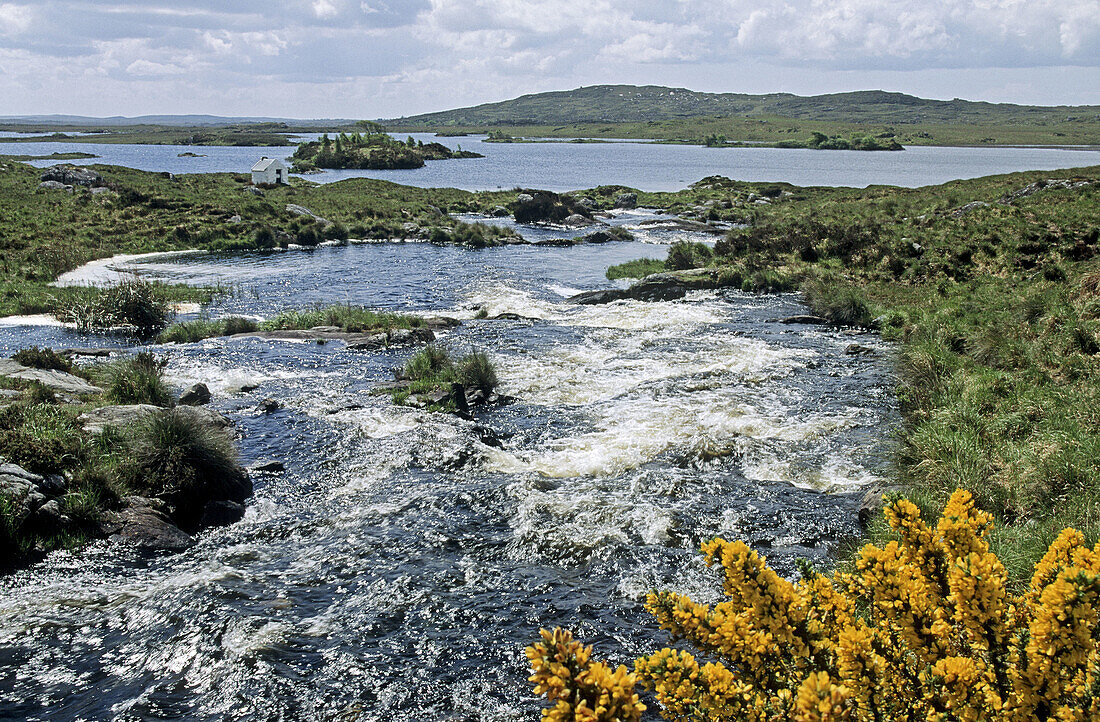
499,212
524,198
253,190
57,381
548,207
607,235
54,186
48,518
269,406
593,298
804,319
71,175
576,220
146,527
626,200
197,395
96,420
221,513
406,336
268,466
298,210
871,504
203,415
855,349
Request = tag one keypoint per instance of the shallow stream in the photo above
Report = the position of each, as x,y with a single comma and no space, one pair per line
400,565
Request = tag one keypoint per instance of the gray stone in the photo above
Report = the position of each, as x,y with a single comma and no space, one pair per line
202,415
100,191
252,190
54,186
48,518
57,381
72,175
147,528
499,212
804,319
576,220
269,406
96,420
524,198
268,465
855,349
406,336
626,200
303,211
221,513
197,395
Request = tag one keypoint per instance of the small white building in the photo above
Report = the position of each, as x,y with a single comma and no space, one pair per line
269,170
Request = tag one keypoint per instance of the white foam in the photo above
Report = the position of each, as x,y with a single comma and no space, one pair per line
106,271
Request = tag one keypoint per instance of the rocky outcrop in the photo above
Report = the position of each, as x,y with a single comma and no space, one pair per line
71,175
626,200
657,287
26,495
145,525
66,385
303,211
358,341
51,185
533,206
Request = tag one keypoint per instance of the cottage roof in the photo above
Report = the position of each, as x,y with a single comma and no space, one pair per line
265,163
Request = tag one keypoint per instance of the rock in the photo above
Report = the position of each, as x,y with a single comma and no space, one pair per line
458,396
369,343
101,191
593,298
410,229
406,336
434,211
54,186
326,329
303,211
94,421
202,415
252,190
197,395
440,322
68,174
968,208
269,406
244,388
804,319
586,202
626,200
509,316
855,349
499,212
524,198
147,528
57,381
607,236
235,219
536,206
576,220
48,518
221,513
871,504
268,466
475,397
52,484
557,242
436,397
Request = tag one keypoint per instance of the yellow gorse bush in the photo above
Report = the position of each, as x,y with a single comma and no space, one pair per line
923,629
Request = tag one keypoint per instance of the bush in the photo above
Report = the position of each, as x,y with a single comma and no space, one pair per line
841,305
139,380
688,254
42,358
477,371
923,628
136,306
178,457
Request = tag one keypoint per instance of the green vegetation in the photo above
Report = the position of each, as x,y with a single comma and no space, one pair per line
351,319
431,373
639,268
653,112
44,234
374,149
256,134
42,358
73,155
199,329
175,456
683,255
992,288
134,306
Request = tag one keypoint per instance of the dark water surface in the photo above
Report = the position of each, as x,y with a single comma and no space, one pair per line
400,565
643,165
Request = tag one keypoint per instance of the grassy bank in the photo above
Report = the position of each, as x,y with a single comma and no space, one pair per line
45,233
991,287
162,457
348,319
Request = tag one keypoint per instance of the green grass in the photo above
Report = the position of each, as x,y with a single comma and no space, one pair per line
433,368
352,319
138,379
639,268
199,329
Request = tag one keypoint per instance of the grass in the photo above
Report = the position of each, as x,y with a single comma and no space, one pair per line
138,379
351,319
996,311
199,329
433,368
639,268
136,306
42,358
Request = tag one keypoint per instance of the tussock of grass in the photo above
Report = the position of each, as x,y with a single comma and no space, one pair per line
134,306
638,268
433,368
193,331
353,319
42,358
138,380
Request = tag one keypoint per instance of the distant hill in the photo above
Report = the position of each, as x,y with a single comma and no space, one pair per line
175,121
633,104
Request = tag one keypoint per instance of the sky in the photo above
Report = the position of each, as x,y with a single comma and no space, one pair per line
387,58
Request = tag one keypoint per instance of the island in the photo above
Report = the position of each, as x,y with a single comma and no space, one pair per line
370,148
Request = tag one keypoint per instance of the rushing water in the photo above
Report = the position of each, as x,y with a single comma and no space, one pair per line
647,166
400,565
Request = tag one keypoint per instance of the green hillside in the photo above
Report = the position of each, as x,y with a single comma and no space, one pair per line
679,114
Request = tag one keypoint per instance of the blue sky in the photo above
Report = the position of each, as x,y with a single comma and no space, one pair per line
384,58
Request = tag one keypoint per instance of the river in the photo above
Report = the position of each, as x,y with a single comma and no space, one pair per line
400,565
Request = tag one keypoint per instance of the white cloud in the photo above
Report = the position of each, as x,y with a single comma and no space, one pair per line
15,19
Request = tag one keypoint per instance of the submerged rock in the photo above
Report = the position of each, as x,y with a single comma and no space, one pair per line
144,525
221,513
268,466
804,319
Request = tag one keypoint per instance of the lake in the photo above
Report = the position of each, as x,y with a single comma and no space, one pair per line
642,165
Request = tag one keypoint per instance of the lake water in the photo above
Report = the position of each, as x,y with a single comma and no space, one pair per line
647,166
398,568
